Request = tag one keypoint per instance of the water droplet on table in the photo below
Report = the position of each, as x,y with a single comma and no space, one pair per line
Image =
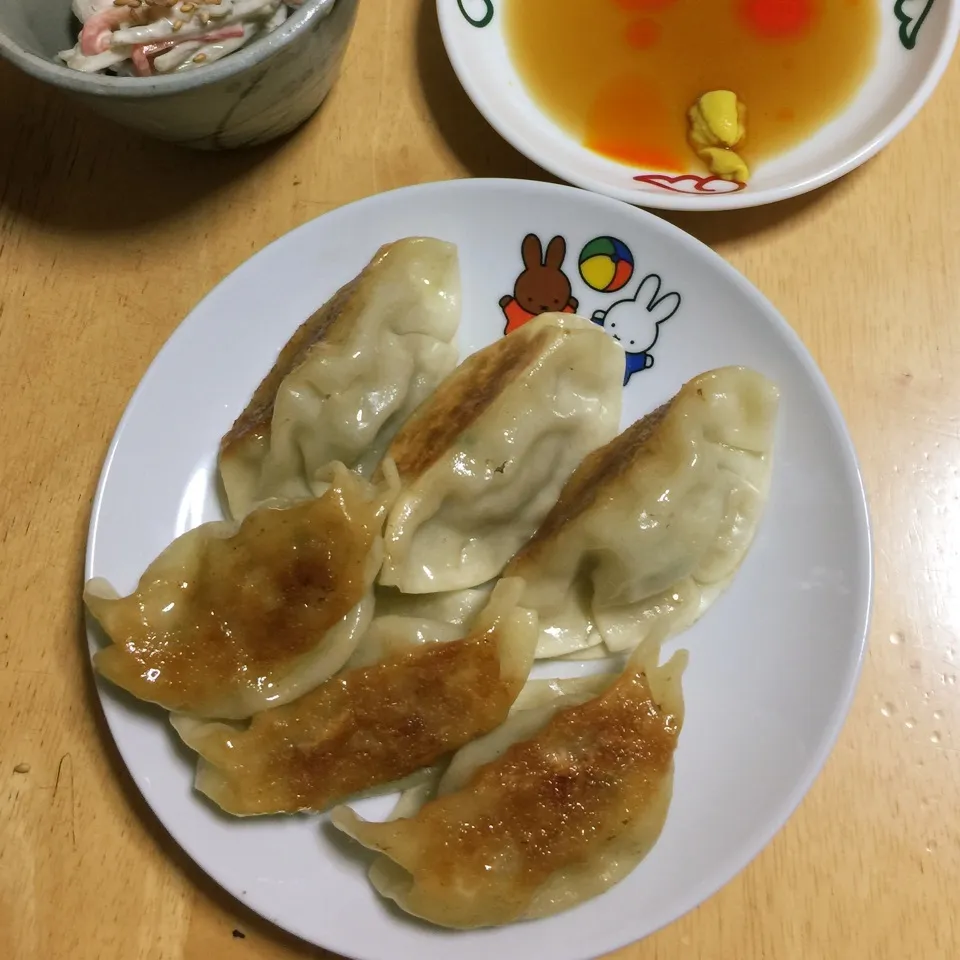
909,723
934,737
896,639
888,709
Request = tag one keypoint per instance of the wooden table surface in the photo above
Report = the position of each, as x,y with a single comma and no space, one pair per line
107,241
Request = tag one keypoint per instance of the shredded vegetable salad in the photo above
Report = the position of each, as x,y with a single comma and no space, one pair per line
144,38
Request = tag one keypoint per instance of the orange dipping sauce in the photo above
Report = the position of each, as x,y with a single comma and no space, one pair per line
620,75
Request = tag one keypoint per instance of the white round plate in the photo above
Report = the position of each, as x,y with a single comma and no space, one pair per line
773,663
917,38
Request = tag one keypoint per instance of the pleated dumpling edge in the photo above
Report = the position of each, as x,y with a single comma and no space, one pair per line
233,618
349,377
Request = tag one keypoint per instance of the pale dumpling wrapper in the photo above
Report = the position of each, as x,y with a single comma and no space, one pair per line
652,527
482,461
456,607
234,618
389,634
538,824
405,620
373,726
349,377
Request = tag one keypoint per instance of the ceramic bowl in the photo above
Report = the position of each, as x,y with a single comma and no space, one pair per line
256,94
917,38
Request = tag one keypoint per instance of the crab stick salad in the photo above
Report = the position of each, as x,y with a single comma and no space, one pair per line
144,38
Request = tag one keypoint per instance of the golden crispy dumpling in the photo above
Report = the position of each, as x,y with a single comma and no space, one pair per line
482,461
228,621
653,526
348,377
538,702
554,819
370,726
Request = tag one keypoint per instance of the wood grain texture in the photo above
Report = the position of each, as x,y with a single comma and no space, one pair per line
107,241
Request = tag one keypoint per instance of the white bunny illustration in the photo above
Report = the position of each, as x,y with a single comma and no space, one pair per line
635,322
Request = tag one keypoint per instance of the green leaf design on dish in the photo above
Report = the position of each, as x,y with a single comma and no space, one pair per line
910,20
483,18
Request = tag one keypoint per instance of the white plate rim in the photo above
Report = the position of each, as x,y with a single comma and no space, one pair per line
707,888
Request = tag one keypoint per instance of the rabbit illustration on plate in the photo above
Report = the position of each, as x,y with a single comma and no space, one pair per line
543,287
635,323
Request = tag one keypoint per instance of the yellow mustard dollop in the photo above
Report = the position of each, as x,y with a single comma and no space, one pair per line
717,125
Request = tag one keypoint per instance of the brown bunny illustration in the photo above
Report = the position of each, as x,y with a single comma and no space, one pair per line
542,287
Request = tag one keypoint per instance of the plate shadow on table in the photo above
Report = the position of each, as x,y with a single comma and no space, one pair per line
63,166
235,911
245,921
481,150
716,228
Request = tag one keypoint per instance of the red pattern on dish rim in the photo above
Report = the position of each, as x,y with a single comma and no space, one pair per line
697,184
